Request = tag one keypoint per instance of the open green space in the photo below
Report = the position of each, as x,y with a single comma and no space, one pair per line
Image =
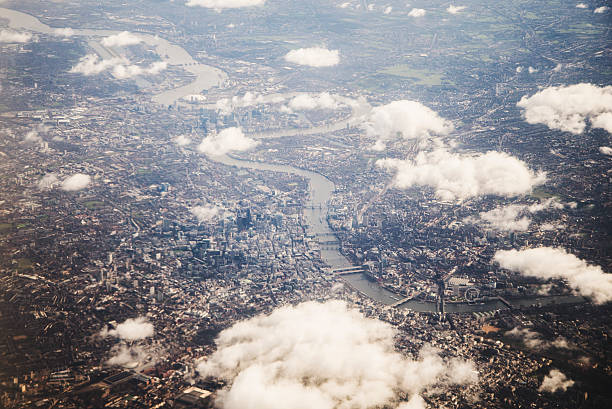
24,264
5,227
420,76
93,204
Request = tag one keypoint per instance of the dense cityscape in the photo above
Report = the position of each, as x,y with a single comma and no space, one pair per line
305,204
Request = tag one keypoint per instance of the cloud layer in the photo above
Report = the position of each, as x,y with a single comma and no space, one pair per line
568,108
228,140
555,381
322,356
76,182
313,57
225,4
456,176
555,263
131,329
406,120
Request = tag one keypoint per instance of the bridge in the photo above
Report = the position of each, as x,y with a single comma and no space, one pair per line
348,270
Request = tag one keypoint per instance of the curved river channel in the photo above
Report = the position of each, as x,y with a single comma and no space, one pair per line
321,188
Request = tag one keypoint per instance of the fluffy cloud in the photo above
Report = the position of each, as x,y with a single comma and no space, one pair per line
129,71
555,263
131,329
568,108
181,140
512,217
555,381
9,36
406,119
606,150
533,340
227,105
76,182
581,6
601,10
121,40
322,356
455,9
417,13
228,140
224,4
603,121
456,176
305,102
122,355
47,181
313,57
206,214
63,32
119,67
92,65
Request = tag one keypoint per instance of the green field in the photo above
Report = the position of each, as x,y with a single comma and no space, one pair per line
5,227
93,204
420,76
24,264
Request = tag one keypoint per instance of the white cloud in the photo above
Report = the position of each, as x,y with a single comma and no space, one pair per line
603,121
313,57
324,356
306,102
555,381
121,39
92,65
601,10
224,4
513,217
456,176
417,13
567,108
129,71
532,70
555,263
131,329
404,119
506,218
76,182
182,140
119,67
63,32
9,36
581,6
206,214
122,355
388,10
533,339
606,150
455,9
227,105
48,181
228,140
